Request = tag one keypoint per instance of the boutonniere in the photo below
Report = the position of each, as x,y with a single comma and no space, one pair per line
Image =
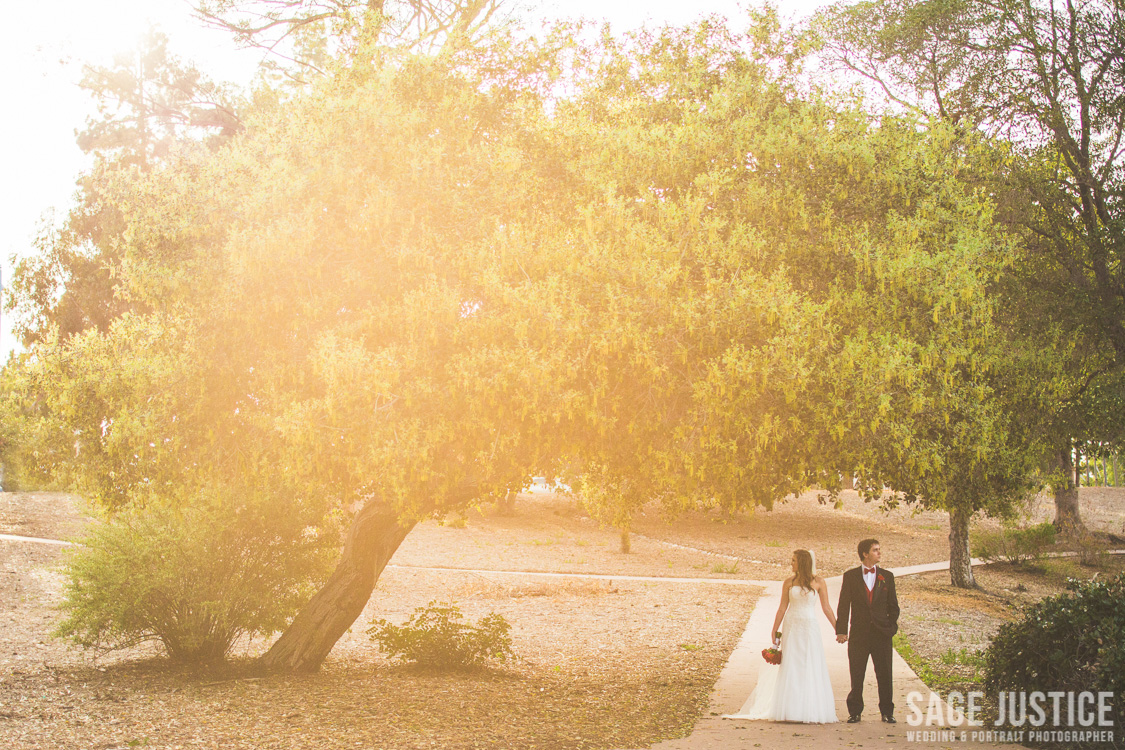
884,580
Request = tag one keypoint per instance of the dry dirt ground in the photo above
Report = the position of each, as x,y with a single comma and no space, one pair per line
552,533
601,663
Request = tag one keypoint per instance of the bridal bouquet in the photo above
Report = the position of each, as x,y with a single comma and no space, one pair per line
772,655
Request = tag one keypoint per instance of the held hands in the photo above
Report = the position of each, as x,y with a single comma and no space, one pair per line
841,638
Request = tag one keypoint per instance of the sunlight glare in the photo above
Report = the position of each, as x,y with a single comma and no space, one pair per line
80,30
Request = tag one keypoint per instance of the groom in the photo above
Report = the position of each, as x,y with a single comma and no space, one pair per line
868,594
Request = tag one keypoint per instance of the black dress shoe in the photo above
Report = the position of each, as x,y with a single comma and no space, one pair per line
853,719
889,719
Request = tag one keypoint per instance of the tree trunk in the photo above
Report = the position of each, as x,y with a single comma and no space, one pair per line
625,546
960,559
1068,519
374,536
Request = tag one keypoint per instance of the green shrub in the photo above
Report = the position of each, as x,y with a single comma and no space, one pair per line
1069,642
1014,544
1091,550
194,580
435,636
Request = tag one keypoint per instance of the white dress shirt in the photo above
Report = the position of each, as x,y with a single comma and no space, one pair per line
869,578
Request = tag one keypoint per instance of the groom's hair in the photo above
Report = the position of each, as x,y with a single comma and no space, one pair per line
865,547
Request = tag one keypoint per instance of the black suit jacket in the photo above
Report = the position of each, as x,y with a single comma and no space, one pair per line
878,618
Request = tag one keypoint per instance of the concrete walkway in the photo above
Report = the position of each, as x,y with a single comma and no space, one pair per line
740,674
34,540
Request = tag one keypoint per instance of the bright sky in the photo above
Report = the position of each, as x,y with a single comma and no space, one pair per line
43,44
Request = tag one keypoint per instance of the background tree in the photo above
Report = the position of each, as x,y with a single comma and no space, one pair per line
150,103
307,38
1046,77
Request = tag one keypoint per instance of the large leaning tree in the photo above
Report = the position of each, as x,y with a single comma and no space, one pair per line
328,286
419,282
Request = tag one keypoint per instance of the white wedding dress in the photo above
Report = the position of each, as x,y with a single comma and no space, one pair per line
799,688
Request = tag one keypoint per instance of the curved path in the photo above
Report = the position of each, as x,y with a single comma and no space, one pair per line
34,539
739,676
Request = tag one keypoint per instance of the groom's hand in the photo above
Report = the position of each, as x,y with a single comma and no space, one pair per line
841,638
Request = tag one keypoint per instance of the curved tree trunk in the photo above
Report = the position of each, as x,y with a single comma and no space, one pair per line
960,559
1068,518
374,536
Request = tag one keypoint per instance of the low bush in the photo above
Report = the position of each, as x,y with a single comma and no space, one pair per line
1091,550
194,580
1013,544
436,636
1069,642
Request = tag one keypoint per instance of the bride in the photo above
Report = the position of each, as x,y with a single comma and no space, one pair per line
799,689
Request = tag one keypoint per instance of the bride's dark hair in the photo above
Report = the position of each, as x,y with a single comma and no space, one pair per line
804,575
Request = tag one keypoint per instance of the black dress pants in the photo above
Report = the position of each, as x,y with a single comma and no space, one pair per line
877,647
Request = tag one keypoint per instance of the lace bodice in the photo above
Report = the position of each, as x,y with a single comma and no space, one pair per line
802,604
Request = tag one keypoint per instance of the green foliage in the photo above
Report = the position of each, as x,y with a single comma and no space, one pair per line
436,636
193,580
1091,549
985,66
920,666
1014,544
962,656
151,105
1070,642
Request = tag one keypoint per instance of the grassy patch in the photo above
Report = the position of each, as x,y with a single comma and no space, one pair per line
956,670
963,657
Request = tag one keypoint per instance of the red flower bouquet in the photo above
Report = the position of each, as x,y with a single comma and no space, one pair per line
772,655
